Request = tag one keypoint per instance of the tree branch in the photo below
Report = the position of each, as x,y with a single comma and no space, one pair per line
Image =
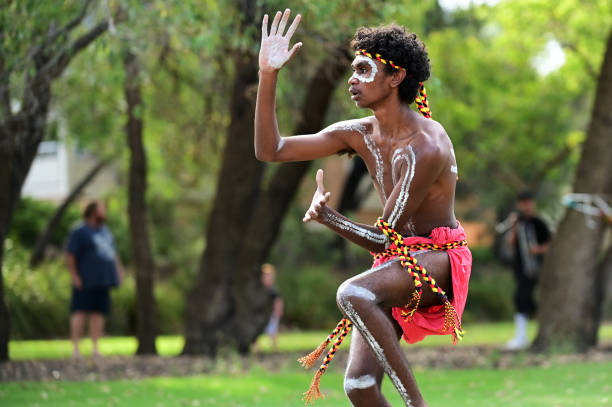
554,161
585,61
54,34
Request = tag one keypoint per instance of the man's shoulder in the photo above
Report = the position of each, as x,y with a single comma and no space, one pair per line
79,228
360,126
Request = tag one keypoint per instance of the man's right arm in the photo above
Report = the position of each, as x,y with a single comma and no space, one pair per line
269,145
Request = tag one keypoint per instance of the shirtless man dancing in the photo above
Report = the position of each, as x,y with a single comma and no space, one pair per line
418,244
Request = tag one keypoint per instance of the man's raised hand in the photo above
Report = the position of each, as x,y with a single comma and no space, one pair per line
274,52
319,200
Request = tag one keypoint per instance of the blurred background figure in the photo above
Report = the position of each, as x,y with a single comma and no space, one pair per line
94,267
526,240
268,277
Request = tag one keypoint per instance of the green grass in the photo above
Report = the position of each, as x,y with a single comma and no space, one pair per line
476,334
581,384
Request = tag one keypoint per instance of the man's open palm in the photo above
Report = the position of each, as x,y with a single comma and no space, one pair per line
275,52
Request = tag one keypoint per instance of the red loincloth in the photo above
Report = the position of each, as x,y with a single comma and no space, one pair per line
430,321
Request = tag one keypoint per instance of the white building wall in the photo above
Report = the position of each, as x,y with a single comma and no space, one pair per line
48,176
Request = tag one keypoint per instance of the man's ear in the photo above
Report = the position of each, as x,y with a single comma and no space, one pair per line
397,77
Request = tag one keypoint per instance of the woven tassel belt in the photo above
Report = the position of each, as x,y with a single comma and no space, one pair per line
419,275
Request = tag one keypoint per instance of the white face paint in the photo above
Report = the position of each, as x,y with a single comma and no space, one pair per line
368,76
343,224
402,198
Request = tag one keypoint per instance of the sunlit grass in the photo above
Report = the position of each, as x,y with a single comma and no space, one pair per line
583,384
295,341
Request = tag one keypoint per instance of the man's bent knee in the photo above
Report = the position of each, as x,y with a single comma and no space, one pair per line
348,292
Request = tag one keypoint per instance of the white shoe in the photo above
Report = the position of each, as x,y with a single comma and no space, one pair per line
517,343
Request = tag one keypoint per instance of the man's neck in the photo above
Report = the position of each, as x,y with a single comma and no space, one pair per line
92,223
393,117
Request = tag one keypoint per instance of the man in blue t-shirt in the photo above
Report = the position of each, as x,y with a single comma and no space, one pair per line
94,267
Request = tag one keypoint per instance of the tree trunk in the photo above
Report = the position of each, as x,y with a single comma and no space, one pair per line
246,289
237,191
228,286
19,140
43,240
22,132
137,210
569,276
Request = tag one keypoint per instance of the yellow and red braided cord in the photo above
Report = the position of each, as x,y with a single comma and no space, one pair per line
417,272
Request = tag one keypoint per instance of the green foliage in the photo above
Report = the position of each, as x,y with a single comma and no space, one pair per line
37,300
309,296
31,218
490,293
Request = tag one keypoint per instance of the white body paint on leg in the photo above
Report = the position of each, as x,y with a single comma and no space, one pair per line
348,309
370,75
343,224
362,382
405,187
346,306
353,290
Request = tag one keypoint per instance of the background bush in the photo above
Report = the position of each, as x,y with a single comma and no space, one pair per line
38,300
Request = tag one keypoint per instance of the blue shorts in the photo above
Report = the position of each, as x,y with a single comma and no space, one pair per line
90,300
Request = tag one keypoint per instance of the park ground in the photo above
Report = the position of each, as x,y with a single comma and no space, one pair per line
477,372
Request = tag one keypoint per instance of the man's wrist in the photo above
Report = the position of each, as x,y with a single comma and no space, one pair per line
269,72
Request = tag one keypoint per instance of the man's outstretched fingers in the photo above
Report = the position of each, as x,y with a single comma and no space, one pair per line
293,26
274,27
264,26
319,179
283,22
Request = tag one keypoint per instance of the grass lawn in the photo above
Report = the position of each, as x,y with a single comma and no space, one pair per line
582,384
476,334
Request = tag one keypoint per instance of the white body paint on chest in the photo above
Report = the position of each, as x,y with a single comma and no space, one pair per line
369,77
404,194
370,144
343,224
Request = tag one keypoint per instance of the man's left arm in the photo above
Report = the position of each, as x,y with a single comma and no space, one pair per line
543,237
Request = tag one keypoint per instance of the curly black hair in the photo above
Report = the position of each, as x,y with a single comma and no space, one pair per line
392,42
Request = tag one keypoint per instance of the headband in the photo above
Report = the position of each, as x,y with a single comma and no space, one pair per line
421,97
